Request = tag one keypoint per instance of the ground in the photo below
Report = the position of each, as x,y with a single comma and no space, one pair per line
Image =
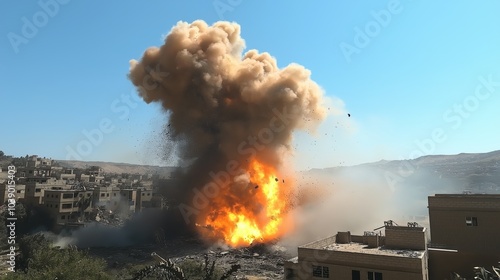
260,262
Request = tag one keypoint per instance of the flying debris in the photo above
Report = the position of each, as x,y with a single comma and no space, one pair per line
215,96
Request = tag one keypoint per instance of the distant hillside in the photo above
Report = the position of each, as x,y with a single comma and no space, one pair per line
409,182
113,167
480,171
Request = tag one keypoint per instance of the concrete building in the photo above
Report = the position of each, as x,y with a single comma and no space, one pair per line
144,199
68,206
93,174
34,191
400,254
107,197
465,232
68,175
33,166
130,197
19,191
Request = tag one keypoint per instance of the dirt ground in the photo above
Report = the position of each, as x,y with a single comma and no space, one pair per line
260,262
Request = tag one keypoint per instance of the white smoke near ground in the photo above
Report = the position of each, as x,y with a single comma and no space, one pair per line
359,199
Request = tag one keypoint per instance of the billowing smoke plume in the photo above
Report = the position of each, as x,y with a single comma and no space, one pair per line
224,105
217,98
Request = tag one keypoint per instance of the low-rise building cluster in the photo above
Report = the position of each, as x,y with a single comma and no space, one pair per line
74,196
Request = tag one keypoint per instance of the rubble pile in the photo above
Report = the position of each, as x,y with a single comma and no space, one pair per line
262,261
108,217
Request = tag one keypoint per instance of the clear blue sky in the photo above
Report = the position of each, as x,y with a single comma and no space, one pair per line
403,79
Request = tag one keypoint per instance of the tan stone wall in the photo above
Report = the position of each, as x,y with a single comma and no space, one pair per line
465,202
343,237
321,243
393,263
303,271
447,217
405,238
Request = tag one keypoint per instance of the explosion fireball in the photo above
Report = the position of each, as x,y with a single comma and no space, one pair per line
223,107
256,219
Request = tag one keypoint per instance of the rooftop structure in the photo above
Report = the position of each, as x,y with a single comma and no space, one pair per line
400,254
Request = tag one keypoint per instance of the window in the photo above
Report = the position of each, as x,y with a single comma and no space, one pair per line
68,195
67,206
471,221
114,194
103,194
107,195
321,271
317,271
374,275
38,190
326,272
356,275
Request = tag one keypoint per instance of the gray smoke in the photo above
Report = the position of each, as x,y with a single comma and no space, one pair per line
223,104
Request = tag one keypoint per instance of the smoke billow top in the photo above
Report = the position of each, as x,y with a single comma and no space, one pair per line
223,104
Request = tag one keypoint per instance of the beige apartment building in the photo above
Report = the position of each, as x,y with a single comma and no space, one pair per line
144,199
67,174
400,254
19,191
465,232
68,206
130,197
35,189
33,166
107,197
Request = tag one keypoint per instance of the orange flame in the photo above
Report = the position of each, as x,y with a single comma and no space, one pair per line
254,215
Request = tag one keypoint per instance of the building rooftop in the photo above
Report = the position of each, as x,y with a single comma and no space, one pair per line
355,247
482,195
